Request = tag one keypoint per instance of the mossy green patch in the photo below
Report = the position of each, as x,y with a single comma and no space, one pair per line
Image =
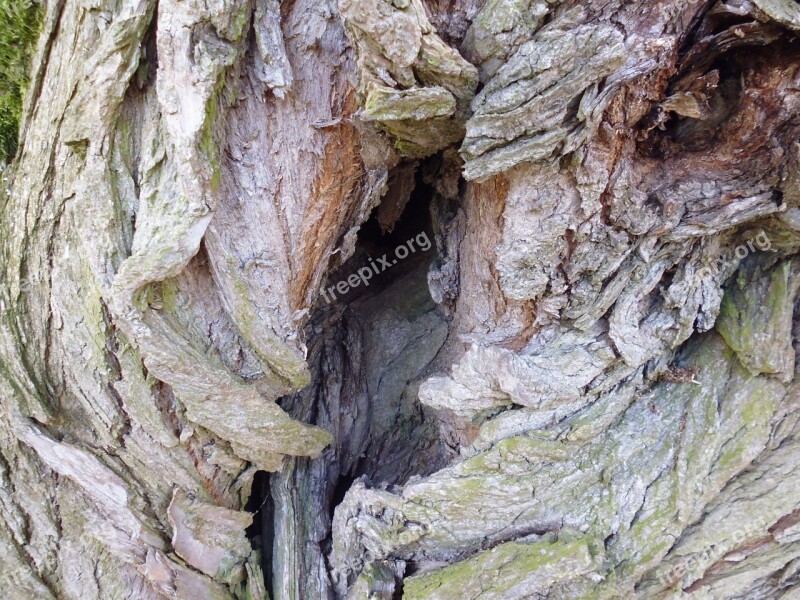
20,22
208,145
418,104
506,569
756,315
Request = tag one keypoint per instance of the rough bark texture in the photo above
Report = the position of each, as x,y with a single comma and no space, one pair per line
582,381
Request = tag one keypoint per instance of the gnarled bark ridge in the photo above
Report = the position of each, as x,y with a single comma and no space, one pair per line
222,378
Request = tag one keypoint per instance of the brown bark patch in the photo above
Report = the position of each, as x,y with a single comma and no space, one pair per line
333,197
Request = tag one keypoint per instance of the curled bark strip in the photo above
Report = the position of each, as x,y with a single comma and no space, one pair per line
432,298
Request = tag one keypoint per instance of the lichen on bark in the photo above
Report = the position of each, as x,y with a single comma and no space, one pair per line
583,384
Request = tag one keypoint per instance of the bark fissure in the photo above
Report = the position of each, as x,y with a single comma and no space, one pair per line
403,298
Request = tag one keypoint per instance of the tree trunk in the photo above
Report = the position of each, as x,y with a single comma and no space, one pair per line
410,298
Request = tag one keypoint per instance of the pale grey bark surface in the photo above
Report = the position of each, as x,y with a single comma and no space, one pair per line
585,385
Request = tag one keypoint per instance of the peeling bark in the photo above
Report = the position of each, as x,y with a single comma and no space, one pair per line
581,381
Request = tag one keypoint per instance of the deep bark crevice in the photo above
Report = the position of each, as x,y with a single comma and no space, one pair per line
428,299
380,237
261,531
369,349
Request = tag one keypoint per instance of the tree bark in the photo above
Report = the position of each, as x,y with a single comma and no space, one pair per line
222,378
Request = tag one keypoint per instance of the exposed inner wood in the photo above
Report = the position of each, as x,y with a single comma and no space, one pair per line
403,299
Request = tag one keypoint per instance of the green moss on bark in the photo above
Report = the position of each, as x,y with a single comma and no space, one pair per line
20,21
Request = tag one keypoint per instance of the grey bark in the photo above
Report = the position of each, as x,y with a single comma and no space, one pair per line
586,387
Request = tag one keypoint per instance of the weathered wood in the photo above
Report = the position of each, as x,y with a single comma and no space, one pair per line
582,380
